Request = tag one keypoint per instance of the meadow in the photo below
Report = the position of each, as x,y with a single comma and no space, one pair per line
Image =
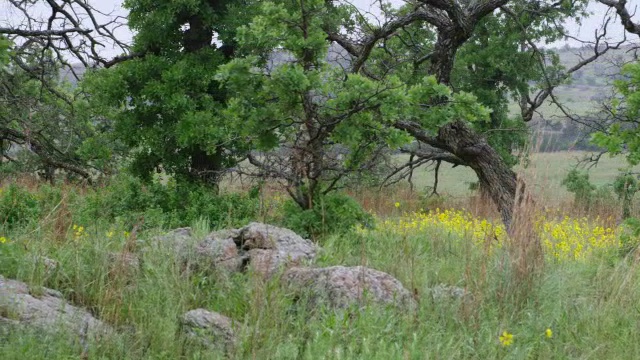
576,298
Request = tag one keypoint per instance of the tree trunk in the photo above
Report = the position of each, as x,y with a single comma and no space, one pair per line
206,168
494,174
444,54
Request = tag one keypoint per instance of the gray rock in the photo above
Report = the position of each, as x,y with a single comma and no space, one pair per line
180,240
271,248
47,311
210,329
341,287
219,253
263,248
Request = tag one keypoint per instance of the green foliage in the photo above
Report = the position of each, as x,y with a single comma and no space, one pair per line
47,113
168,205
285,94
5,46
630,237
577,182
18,206
167,107
334,213
622,135
626,186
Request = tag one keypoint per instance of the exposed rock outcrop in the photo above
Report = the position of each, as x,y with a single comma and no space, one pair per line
210,329
45,310
341,287
260,247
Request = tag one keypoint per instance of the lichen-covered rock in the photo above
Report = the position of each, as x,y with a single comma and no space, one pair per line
211,329
341,287
270,247
263,248
46,311
220,253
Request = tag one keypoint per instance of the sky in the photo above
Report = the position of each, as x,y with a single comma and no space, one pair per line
584,31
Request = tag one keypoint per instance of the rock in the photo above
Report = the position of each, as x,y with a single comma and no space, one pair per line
263,248
179,240
341,287
270,248
220,253
47,312
211,329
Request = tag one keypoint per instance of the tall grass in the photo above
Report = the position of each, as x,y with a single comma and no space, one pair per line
590,305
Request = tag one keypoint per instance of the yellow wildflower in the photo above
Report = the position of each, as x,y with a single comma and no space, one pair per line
506,339
548,333
3,240
397,205
78,231
110,234
126,234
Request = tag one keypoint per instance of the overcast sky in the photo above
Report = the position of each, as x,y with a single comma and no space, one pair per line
585,31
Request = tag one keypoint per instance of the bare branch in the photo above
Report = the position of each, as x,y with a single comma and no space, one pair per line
620,7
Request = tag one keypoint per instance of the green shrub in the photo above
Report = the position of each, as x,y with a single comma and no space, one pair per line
168,204
17,206
578,183
332,214
625,186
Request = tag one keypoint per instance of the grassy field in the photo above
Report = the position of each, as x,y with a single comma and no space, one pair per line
544,175
562,287
581,305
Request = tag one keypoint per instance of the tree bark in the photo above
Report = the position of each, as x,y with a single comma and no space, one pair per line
495,176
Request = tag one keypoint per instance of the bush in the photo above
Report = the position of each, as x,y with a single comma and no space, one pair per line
169,205
577,182
332,214
17,206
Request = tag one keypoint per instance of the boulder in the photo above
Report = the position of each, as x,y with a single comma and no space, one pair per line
263,248
210,329
341,287
219,250
180,240
269,248
46,311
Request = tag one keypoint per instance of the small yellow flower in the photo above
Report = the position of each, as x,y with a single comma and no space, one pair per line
3,240
126,234
548,333
110,234
506,339
397,204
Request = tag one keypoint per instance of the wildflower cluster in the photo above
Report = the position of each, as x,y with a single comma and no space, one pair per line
564,239
457,223
506,339
575,238
78,232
